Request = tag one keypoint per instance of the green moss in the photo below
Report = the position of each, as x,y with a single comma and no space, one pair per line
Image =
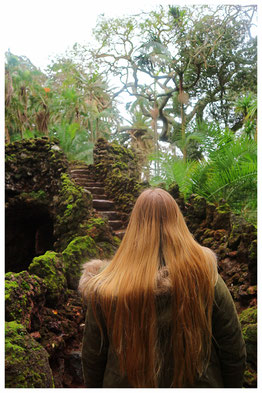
252,252
40,194
21,290
250,333
248,320
223,208
73,207
121,165
96,225
51,269
250,378
208,241
26,361
10,286
208,232
78,250
248,316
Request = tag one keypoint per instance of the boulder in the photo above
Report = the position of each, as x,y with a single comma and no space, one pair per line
24,299
51,269
26,361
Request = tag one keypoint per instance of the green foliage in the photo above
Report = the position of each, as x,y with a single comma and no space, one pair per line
246,106
68,102
229,172
74,142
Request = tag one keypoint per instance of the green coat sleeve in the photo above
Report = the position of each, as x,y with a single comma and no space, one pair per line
228,337
94,349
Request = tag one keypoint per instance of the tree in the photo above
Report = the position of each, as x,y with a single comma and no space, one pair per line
26,98
70,92
187,62
82,96
246,106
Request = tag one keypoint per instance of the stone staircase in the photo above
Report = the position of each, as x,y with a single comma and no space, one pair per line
101,203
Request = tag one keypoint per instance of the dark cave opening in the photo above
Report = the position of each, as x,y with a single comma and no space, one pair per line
28,233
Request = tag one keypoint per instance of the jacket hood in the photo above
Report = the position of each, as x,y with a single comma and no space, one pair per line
89,270
163,282
95,266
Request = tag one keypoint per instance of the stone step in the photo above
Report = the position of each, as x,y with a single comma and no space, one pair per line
96,196
111,215
79,176
115,224
96,190
79,170
120,233
103,204
80,182
86,191
94,184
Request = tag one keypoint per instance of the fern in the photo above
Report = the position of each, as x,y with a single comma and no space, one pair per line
228,172
74,142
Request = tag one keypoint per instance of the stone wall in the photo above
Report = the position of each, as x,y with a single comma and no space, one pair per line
118,168
51,230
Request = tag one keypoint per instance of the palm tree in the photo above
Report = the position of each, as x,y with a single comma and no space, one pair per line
26,103
246,106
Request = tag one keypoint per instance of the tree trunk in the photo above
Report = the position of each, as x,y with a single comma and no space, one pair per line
7,135
183,133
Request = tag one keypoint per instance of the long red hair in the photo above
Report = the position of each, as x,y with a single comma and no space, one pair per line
157,236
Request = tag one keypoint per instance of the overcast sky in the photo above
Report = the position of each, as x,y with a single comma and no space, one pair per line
41,29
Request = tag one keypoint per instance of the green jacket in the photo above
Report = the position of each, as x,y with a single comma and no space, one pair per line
228,355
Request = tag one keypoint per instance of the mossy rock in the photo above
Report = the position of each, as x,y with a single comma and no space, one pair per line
199,206
252,251
234,238
33,165
250,378
51,269
24,298
98,229
74,206
78,250
249,315
222,217
26,361
248,320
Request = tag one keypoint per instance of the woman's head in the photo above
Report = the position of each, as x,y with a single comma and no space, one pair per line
156,222
157,235
154,209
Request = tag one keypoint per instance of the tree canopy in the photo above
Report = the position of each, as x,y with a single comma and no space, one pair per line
181,63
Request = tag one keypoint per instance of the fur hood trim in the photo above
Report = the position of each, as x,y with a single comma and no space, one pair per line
163,282
89,270
95,266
